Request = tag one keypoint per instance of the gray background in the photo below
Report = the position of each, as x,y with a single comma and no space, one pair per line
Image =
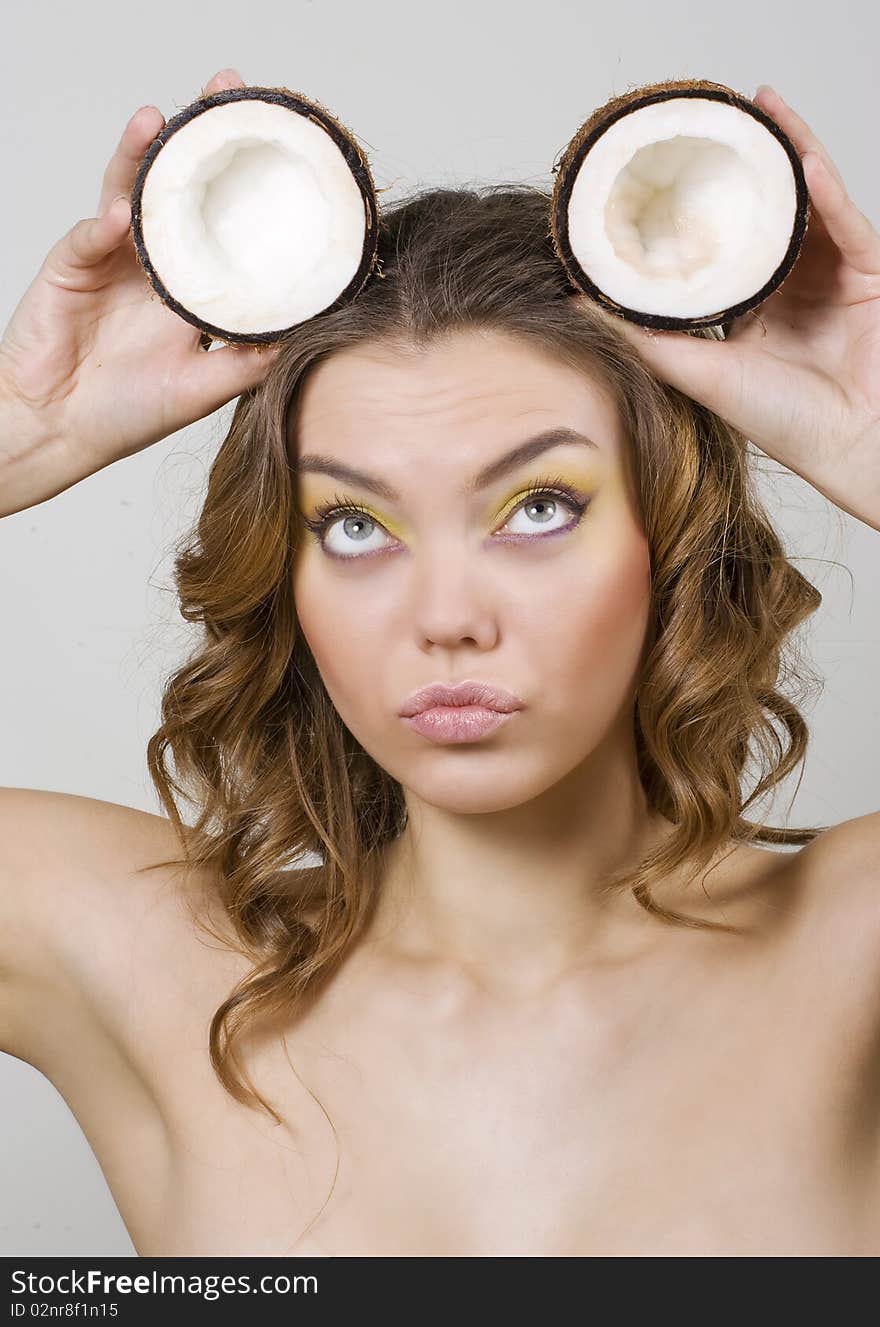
458,93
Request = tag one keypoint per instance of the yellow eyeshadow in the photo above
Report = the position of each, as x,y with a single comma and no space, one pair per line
390,525
579,483
576,482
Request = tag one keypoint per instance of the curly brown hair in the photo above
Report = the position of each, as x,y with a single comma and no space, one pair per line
257,745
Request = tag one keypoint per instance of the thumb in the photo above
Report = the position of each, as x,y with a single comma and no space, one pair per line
219,375
695,365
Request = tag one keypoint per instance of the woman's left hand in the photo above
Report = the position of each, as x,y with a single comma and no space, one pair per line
800,376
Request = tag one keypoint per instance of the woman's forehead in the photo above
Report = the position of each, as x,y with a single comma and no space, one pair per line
470,394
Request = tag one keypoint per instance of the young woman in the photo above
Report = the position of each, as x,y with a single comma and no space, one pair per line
541,991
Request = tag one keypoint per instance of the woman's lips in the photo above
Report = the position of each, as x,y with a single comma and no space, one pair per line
457,723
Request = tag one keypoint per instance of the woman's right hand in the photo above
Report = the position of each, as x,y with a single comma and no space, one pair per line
93,366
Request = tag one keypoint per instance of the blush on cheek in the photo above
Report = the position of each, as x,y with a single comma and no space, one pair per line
346,640
317,622
342,673
616,607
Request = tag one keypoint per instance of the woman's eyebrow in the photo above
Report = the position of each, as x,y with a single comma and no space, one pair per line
525,451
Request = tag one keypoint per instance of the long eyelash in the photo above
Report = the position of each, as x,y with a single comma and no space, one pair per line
335,506
556,487
553,486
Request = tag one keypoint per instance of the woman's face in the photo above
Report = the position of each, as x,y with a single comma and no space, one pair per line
447,581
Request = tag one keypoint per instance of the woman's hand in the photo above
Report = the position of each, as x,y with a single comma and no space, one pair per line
800,376
93,366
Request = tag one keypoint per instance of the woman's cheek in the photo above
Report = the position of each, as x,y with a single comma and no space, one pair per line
607,612
623,615
342,626
317,608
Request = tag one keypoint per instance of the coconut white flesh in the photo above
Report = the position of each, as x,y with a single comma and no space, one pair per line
252,217
683,208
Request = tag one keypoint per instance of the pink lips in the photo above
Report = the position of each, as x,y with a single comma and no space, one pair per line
463,713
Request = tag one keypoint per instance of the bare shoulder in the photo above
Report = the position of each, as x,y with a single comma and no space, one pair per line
105,980
839,886
840,870
72,886
824,899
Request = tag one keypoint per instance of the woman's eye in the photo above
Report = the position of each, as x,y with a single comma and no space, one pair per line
540,512
357,529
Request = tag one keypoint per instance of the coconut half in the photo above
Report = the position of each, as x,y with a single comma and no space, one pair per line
254,210
679,205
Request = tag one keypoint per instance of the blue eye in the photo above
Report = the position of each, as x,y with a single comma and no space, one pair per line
541,504
537,506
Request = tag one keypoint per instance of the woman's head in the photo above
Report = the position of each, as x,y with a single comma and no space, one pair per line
665,615
533,576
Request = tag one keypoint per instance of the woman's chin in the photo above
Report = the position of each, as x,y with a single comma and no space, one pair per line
476,791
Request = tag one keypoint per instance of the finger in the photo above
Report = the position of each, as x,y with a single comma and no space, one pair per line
215,377
140,131
122,168
792,124
226,78
86,243
699,367
849,228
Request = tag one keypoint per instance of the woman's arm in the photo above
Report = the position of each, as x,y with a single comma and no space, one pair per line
92,369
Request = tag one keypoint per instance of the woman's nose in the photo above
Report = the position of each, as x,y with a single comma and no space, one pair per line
452,601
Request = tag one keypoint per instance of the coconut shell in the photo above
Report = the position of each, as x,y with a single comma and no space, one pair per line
568,164
354,157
